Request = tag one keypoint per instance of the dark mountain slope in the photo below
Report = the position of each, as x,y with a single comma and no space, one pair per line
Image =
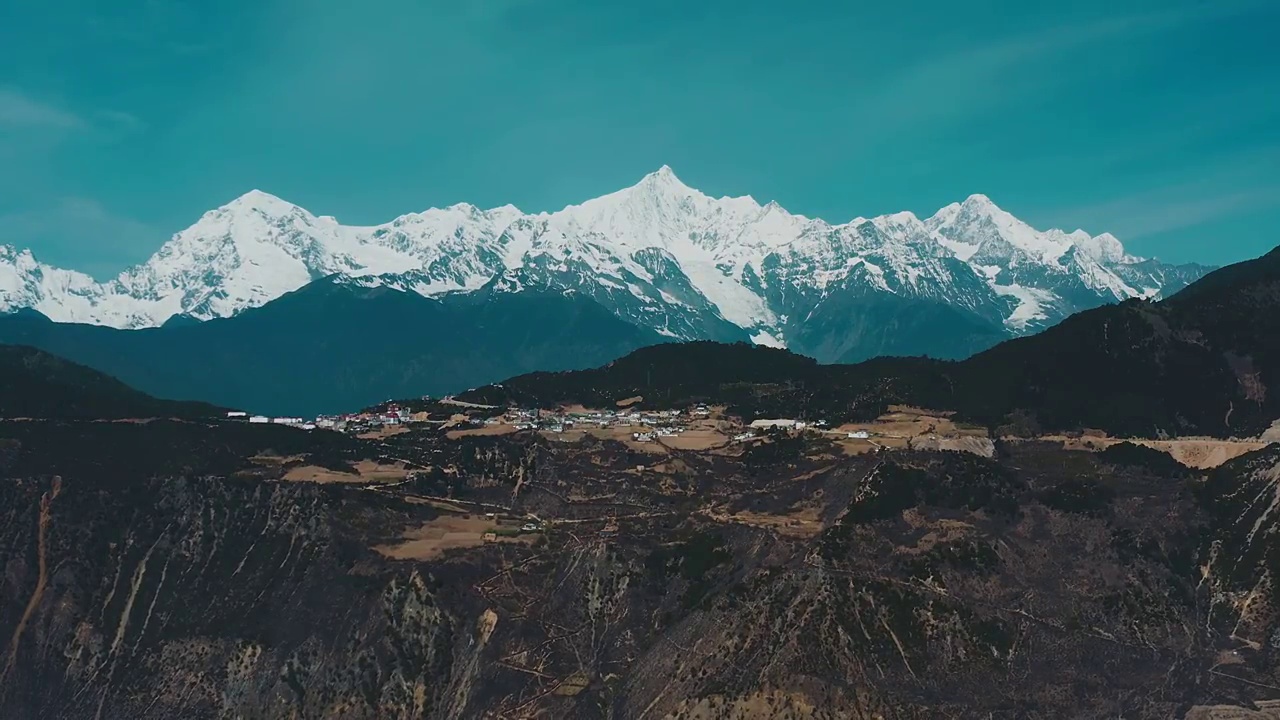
1043,583
35,384
1206,361
852,327
331,347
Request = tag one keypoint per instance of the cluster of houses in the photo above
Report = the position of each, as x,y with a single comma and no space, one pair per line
655,423
788,424
659,423
351,422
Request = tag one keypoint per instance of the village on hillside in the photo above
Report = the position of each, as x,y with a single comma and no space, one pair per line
702,427
698,427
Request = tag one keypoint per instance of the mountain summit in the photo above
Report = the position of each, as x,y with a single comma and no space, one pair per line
658,254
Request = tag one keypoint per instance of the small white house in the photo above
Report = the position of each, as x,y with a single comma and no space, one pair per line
859,435
237,414
259,419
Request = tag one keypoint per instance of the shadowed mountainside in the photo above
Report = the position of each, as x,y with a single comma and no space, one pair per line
35,384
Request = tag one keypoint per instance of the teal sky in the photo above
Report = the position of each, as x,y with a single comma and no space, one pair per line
121,122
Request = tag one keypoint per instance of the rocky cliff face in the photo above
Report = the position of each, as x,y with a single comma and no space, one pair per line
786,580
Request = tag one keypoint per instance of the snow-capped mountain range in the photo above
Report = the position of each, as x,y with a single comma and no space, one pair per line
659,254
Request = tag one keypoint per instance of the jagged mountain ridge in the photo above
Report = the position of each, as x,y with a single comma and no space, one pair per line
658,254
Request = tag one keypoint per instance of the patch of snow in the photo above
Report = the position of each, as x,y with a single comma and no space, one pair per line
1030,307
767,340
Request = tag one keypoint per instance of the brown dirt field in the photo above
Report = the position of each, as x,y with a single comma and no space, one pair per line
1203,455
622,434
447,532
367,471
799,524
911,424
694,440
912,410
856,447
385,431
502,429
628,402
1198,453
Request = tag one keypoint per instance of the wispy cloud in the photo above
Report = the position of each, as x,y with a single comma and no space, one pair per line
80,233
1237,185
18,109
1168,209
983,77
119,120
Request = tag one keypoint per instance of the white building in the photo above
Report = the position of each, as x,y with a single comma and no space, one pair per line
237,414
258,419
859,435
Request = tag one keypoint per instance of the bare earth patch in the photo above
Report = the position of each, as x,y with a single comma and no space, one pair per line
695,440
366,471
502,429
628,402
383,432
1198,453
447,532
800,524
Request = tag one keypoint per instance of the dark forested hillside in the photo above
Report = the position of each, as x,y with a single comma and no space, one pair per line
35,384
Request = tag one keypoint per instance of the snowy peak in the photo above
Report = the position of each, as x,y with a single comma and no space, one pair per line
664,180
979,230
1104,248
263,202
659,254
